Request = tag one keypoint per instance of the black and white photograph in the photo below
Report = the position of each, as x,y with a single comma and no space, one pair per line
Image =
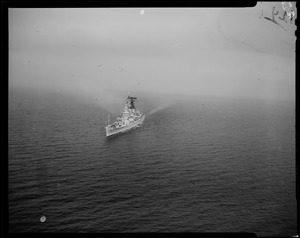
152,120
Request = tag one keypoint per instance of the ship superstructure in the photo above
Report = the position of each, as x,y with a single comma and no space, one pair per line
130,118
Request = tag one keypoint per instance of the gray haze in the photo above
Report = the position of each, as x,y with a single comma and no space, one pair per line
209,52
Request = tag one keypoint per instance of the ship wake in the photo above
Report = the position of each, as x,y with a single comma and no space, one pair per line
159,108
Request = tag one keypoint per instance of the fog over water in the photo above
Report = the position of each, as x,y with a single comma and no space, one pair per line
232,53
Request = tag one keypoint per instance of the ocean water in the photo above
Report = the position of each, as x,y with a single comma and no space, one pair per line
205,165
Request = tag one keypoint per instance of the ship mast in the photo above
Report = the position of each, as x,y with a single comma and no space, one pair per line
108,121
131,101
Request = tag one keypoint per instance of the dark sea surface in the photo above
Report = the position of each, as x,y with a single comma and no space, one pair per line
205,165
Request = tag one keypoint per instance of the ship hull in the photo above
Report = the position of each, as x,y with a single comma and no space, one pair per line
115,131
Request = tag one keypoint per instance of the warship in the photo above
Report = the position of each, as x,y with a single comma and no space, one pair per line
130,118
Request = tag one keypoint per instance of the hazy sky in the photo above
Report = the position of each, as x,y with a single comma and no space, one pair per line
218,52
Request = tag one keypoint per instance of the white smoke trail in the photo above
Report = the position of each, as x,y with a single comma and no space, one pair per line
160,108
